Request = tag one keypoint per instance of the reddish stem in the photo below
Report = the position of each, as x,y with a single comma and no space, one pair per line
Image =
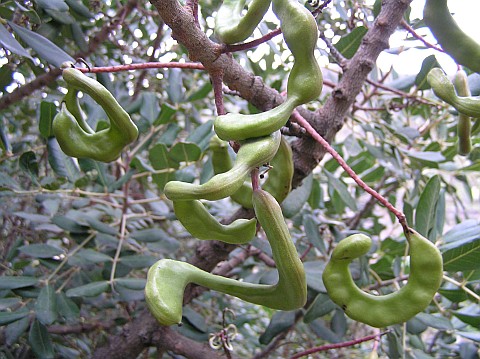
255,179
145,65
253,43
317,137
338,345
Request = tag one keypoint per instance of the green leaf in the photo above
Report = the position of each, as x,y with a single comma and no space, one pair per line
78,7
28,163
63,165
322,305
9,317
138,261
342,190
160,160
426,207
131,283
166,114
421,80
175,88
48,110
11,44
454,295
471,319
349,44
201,93
89,290
93,256
461,234
40,341
58,5
10,282
100,226
67,308
314,271
435,321
297,198
201,135
280,321
69,224
462,258
14,330
46,305
46,49
150,106
185,152
40,250
310,226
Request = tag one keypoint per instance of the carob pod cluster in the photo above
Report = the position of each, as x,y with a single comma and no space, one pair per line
75,137
260,139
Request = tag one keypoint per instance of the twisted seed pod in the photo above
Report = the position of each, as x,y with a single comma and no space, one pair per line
426,272
454,41
222,162
464,126
304,82
202,225
167,278
252,153
445,90
74,135
280,175
231,26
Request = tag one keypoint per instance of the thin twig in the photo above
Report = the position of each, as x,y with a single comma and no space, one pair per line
407,27
317,137
145,65
338,345
253,43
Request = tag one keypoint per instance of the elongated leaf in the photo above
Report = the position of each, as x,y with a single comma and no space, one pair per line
7,282
93,256
279,322
63,165
185,152
297,198
46,49
463,233
426,207
421,80
132,283
48,110
46,305
462,258
40,250
349,44
14,330
11,44
40,341
138,261
322,305
342,191
88,290
9,317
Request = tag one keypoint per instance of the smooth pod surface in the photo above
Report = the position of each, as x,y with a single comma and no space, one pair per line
445,90
252,153
232,25
201,224
454,41
464,126
75,136
426,273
